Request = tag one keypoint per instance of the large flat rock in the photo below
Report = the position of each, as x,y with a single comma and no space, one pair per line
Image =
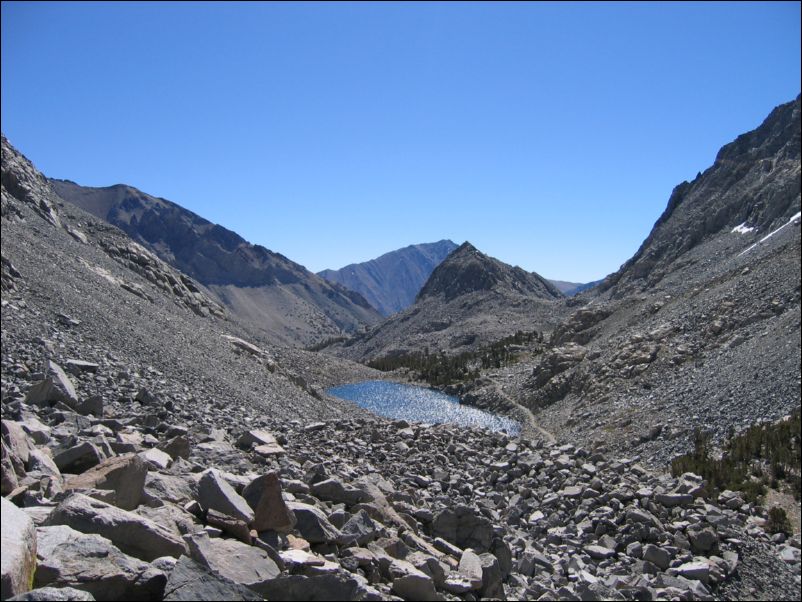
247,565
130,532
18,550
214,493
190,581
124,475
92,563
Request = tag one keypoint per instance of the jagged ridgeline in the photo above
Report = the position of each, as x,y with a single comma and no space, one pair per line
268,293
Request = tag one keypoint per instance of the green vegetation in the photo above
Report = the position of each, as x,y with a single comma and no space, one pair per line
778,521
765,455
440,370
326,343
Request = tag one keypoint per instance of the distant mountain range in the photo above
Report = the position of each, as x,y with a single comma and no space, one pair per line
569,289
391,282
470,299
271,293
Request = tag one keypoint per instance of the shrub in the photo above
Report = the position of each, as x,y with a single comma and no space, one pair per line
778,521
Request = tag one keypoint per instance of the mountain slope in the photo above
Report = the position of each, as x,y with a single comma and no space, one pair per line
391,282
75,287
754,183
468,270
469,300
701,328
265,289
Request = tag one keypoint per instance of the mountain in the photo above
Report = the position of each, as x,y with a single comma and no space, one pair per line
469,300
133,402
700,329
272,294
569,289
753,185
140,335
468,270
391,282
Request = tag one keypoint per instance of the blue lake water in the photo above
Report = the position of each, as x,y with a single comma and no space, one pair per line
419,404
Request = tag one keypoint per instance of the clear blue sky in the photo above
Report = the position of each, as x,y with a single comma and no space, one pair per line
549,135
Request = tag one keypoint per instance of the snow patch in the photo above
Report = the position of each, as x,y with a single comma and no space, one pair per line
793,219
742,229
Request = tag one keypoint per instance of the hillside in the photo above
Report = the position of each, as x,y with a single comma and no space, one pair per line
701,328
469,300
271,294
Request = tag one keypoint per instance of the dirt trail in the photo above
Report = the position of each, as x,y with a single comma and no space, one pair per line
528,416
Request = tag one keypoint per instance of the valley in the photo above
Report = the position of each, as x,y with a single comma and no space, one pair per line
164,377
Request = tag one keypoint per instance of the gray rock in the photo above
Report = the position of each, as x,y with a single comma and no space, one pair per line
263,495
533,560
216,494
298,588
463,527
638,515
430,566
333,490
78,458
658,556
669,500
8,475
131,533
78,367
359,529
492,586
247,565
160,488
156,459
702,540
177,447
470,567
697,570
599,552
411,583
447,548
124,475
19,547
56,387
635,549
262,440
502,551
41,462
312,524
54,594
18,443
228,524
91,405
92,563
36,430
190,581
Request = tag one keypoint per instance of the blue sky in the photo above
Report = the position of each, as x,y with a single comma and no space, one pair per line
549,135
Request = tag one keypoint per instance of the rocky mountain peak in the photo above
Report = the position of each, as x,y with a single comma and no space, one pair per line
391,282
468,270
754,185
